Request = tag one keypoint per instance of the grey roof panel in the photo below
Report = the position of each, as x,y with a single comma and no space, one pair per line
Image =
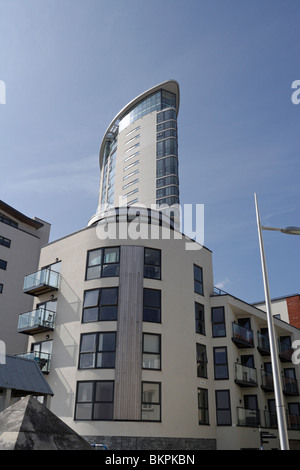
23,375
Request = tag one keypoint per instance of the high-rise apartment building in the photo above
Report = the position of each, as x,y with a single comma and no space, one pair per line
21,239
139,348
139,152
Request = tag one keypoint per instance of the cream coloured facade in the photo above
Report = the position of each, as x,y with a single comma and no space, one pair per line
139,348
205,382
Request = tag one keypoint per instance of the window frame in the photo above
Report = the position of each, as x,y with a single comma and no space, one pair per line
151,306
102,263
144,352
201,364
196,282
3,264
99,304
218,409
96,350
93,400
158,403
198,321
221,364
214,323
5,241
147,265
205,410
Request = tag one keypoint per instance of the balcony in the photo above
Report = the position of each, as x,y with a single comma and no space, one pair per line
41,282
263,344
36,321
267,383
43,359
241,336
245,376
248,417
270,419
290,386
285,351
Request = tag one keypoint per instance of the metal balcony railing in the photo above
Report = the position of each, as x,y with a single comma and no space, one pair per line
43,359
36,321
241,336
248,417
245,376
41,282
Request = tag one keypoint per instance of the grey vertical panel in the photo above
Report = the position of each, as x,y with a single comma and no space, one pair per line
127,403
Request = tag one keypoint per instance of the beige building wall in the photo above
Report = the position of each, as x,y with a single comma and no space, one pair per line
178,374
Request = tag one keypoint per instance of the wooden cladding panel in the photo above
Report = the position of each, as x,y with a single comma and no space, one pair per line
129,337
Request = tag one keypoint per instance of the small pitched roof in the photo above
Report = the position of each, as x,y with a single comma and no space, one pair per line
30,425
23,376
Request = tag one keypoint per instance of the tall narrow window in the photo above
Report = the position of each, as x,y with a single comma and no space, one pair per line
3,264
198,280
218,322
152,263
151,351
151,401
199,318
223,408
220,363
201,360
203,406
152,305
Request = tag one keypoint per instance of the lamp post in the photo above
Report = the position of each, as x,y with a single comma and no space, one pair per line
281,418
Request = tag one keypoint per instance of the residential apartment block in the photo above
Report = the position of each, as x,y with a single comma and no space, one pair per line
21,239
139,348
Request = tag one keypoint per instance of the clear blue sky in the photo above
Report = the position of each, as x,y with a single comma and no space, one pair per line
70,65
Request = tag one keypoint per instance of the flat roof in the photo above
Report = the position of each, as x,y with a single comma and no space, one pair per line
19,216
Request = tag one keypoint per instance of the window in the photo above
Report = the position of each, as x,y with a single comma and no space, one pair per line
201,360
103,262
294,415
166,147
151,401
6,220
166,115
166,166
131,183
152,263
100,305
218,322
3,264
97,350
131,165
5,241
130,174
167,191
220,363
198,280
203,406
151,351
95,400
167,181
152,305
199,318
1,288
223,408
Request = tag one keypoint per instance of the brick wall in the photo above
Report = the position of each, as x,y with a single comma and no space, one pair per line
293,305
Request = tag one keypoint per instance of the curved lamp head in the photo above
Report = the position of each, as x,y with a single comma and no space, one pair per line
288,230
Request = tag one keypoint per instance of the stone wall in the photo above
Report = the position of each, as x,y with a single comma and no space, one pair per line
151,443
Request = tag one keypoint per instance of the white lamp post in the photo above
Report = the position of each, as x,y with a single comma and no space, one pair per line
281,418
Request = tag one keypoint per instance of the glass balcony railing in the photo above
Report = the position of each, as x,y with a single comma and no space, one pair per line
267,383
43,359
41,282
248,417
36,321
285,351
245,376
241,336
263,344
290,386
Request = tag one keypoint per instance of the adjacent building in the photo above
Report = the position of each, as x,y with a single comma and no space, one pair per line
287,308
139,348
21,239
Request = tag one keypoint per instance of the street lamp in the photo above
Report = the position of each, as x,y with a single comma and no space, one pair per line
281,418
